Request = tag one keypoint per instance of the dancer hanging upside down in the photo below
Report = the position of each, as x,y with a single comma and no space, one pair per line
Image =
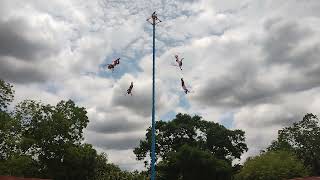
184,86
129,91
179,62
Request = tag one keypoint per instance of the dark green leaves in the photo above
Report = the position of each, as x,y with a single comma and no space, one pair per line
273,165
195,132
303,138
186,142
6,95
190,163
46,141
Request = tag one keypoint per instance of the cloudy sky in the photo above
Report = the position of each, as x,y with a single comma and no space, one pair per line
252,64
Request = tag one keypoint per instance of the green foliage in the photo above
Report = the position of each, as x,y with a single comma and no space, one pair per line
6,95
108,171
280,145
79,162
201,136
9,135
190,163
193,131
8,125
19,165
273,165
303,138
50,132
45,141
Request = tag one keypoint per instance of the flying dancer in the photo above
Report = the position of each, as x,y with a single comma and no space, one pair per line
113,65
110,67
179,62
186,90
116,62
129,91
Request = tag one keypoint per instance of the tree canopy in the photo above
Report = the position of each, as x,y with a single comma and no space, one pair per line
46,141
191,134
303,138
6,94
190,163
273,165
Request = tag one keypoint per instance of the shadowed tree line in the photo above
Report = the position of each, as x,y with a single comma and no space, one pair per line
295,153
189,147
46,141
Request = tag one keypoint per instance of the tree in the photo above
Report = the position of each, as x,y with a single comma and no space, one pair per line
79,162
303,138
7,123
6,94
190,163
207,137
109,171
50,132
273,165
9,135
19,165
42,140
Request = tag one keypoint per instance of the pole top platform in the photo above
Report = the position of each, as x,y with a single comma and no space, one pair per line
154,19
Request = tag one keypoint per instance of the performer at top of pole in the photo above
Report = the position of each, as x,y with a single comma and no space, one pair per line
154,18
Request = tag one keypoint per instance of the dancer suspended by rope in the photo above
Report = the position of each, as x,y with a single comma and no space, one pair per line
114,64
186,90
129,91
111,67
179,62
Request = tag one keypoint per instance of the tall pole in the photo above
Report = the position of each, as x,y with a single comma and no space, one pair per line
154,22
153,143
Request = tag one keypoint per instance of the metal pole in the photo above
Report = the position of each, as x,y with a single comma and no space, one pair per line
153,143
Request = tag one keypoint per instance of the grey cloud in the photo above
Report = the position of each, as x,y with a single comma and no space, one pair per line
243,83
116,125
283,37
283,40
14,41
276,117
139,103
23,53
237,87
114,141
19,71
120,144
261,126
